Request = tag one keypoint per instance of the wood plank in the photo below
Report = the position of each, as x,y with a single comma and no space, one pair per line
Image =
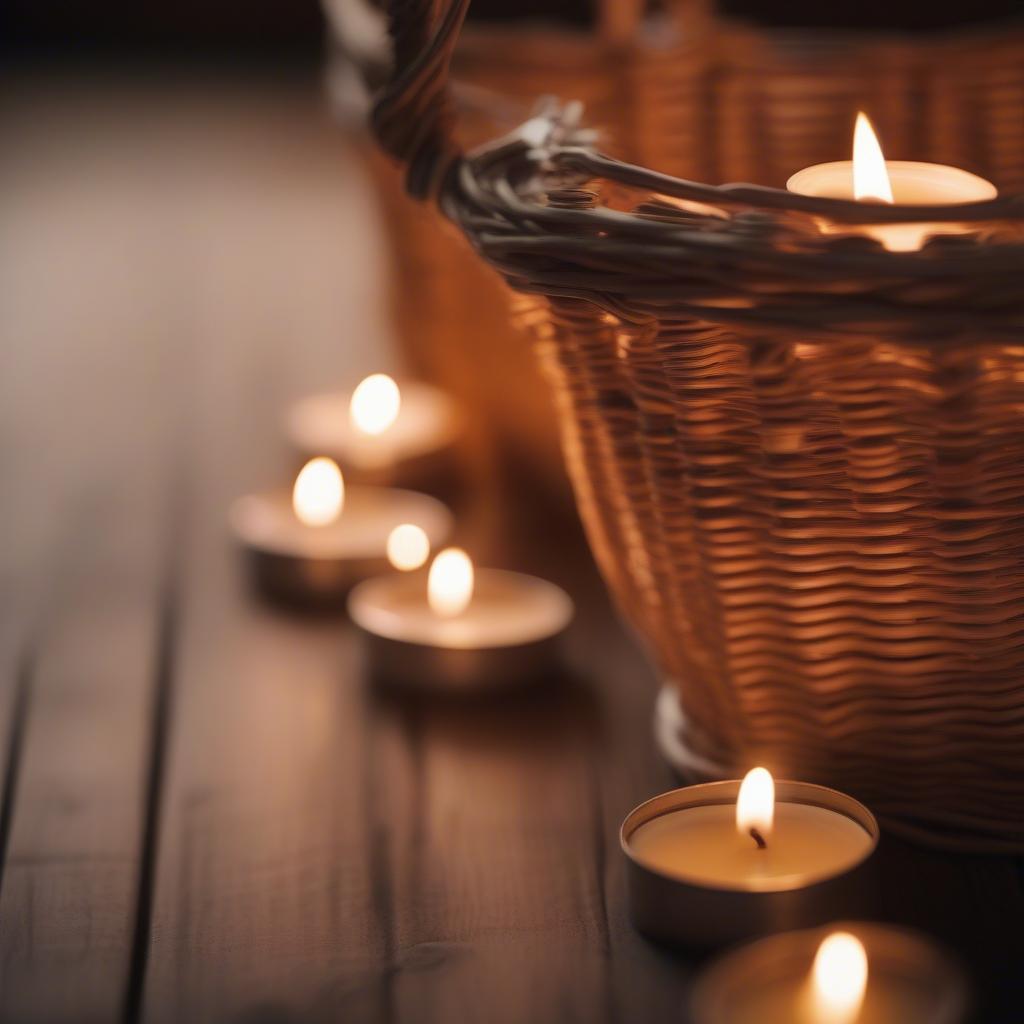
69,884
267,882
498,910
17,656
264,896
88,379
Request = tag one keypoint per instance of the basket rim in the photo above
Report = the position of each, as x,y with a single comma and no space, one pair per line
743,252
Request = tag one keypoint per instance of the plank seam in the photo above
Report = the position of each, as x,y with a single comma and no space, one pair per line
15,743
380,863
156,769
600,869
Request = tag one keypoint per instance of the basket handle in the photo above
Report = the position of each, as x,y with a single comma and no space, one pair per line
413,117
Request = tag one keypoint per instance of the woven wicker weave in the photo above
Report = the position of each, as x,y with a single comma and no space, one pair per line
798,456
691,94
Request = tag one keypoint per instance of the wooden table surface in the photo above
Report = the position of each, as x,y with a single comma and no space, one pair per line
208,813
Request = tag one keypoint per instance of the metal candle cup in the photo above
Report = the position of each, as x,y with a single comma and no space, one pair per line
676,903
318,565
909,981
507,636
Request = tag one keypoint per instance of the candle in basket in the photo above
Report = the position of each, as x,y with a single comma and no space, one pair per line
460,628
846,974
721,861
314,543
869,177
380,430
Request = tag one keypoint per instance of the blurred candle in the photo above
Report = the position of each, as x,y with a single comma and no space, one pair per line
408,547
870,178
853,973
450,583
319,493
375,404
459,627
382,432
312,544
839,979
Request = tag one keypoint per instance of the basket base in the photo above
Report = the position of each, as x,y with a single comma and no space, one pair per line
670,734
674,735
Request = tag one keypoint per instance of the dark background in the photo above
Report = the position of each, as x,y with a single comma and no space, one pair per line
293,31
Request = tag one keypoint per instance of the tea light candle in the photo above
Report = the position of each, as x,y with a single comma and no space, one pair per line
850,973
717,862
869,177
313,544
460,628
379,431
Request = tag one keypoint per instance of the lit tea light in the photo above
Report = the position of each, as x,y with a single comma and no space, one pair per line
375,404
408,547
381,431
870,178
713,863
458,627
856,973
839,980
450,583
755,806
319,493
311,545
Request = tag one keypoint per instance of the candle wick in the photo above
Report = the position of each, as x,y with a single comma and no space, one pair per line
759,839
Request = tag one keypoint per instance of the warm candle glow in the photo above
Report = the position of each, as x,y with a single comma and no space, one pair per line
408,547
838,979
375,404
755,805
450,583
319,492
870,176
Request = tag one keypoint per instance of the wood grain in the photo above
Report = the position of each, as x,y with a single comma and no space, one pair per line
71,870
490,812
87,454
266,892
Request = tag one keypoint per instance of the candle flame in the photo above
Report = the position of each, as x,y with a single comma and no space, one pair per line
319,492
870,176
408,547
839,979
450,583
755,805
375,404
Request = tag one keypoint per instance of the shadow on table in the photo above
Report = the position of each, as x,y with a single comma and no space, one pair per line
972,904
557,710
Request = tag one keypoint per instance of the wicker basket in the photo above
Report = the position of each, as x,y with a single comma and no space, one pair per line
798,456
690,94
